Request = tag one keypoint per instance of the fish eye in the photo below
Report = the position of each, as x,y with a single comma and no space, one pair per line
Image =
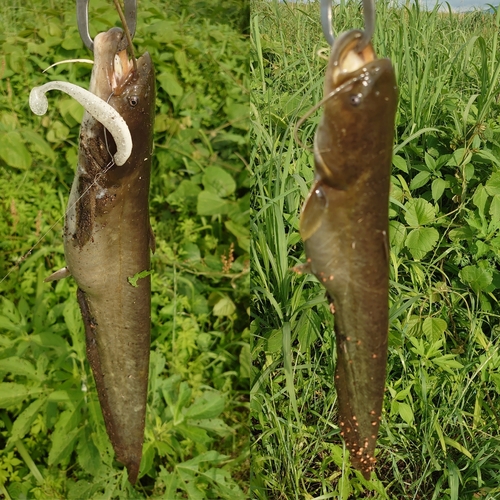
355,99
133,101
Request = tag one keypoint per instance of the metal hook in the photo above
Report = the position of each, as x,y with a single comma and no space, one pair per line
369,15
82,19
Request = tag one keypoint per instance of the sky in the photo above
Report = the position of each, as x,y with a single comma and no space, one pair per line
465,4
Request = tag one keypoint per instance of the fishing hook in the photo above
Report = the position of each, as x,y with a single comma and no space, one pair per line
369,15
82,20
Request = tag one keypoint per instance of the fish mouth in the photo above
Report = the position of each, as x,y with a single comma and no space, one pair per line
347,60
111,63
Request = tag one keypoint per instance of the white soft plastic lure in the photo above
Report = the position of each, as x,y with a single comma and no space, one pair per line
95,106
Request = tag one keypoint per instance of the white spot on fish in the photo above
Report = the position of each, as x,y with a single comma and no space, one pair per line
101,194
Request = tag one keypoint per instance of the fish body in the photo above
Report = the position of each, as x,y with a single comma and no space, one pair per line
107,240
344,225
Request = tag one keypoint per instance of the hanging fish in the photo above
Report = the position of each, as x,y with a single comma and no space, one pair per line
107,234
344,226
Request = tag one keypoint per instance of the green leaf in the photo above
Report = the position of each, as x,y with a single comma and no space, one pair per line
12,394
493,184
23,422
224,307
169,83
39,144
218,181
438,187
421,240
397,234
238,115
211,204
419,212
399,163
461,233
476,277
479,198
18,366
245,361
134,279
13,151
63,443
406,413
242,234
447,363
420,180
434,328
495,207
88,455
209,405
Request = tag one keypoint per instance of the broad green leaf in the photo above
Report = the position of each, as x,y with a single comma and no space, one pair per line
63,443
195,433
493,184
23,422
447,363
209,405
400,163
238,115
419,212
224,307
420,180
88,455
275,341
242,234
438,187
58,132
18,366
461,233
183,398
476,277
219,181
421,240
397,233
38,144
480,198
169,83
460,157
406,413
12,394
434,328
211,204
208,456
495,208
13,151
216,425
72,111
186,194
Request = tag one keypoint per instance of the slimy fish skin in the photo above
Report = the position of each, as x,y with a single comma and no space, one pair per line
344,226
108,237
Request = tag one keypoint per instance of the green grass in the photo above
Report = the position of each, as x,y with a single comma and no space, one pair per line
441,419
52,438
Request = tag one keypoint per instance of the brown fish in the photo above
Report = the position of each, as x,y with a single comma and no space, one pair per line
344,225
108,238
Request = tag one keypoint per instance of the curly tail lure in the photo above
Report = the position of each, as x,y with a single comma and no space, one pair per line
344,225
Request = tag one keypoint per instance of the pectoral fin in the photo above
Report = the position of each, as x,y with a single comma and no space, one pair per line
58,275
312,213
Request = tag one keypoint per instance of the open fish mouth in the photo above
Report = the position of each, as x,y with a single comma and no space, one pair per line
348,61
112,66
122,71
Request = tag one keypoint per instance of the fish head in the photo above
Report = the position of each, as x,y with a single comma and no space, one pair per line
129,90
360,97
